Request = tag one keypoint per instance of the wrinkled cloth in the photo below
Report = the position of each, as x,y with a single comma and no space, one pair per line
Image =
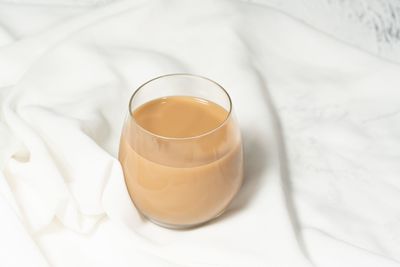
320,124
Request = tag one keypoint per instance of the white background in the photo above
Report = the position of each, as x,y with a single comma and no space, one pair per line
319,116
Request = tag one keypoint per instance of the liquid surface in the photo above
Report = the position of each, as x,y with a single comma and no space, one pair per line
179,116
181,182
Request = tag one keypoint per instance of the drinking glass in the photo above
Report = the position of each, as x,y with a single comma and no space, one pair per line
182,181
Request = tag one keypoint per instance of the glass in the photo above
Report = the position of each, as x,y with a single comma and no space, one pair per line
181,181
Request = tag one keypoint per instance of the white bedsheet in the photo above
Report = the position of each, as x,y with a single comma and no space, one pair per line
320,121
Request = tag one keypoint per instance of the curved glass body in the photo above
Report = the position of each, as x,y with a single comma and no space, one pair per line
181,150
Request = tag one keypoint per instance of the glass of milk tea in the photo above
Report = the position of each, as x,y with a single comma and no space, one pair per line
181,150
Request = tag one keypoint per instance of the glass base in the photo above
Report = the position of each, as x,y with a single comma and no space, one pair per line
182,226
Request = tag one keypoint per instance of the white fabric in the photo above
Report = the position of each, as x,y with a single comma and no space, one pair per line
319,120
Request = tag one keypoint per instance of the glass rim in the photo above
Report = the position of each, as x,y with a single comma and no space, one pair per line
180,138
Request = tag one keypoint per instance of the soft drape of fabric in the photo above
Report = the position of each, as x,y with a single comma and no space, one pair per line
319,120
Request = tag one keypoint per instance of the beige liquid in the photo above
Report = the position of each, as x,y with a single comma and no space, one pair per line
177,172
